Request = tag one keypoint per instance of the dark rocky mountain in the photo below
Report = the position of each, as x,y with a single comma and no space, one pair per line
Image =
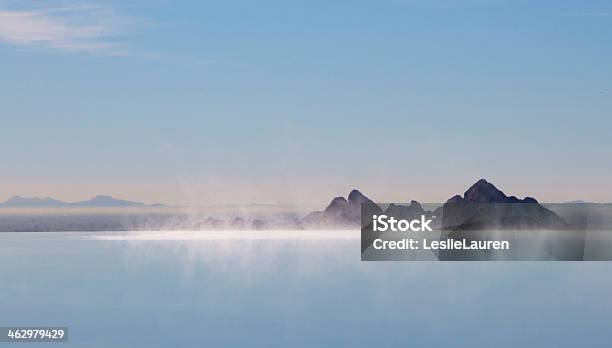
346,213
483,206
408,212
340,212
486,213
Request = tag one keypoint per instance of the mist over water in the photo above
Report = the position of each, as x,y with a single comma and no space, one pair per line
287,288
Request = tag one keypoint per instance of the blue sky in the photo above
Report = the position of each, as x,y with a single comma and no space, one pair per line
199,102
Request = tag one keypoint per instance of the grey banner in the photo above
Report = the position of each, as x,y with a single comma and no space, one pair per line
486,232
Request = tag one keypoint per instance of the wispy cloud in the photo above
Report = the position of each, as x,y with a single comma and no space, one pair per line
74,28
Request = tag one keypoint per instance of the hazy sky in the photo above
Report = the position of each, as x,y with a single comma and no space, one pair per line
294,102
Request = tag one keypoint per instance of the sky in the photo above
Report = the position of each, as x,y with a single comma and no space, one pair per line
287,102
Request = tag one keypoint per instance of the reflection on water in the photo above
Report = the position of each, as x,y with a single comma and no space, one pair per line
297,289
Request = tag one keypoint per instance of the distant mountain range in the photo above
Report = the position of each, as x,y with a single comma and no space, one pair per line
482,207
99,201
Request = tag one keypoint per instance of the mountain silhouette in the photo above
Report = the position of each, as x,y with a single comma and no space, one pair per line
341,212
486,213
99,201
484,206
27,202
107,201
346,212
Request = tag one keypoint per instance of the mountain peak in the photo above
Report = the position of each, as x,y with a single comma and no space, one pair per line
356,197
14,199
484,206
415,205
340,212
484,192
337,203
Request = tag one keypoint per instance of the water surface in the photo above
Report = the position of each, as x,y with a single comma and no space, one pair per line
293,289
